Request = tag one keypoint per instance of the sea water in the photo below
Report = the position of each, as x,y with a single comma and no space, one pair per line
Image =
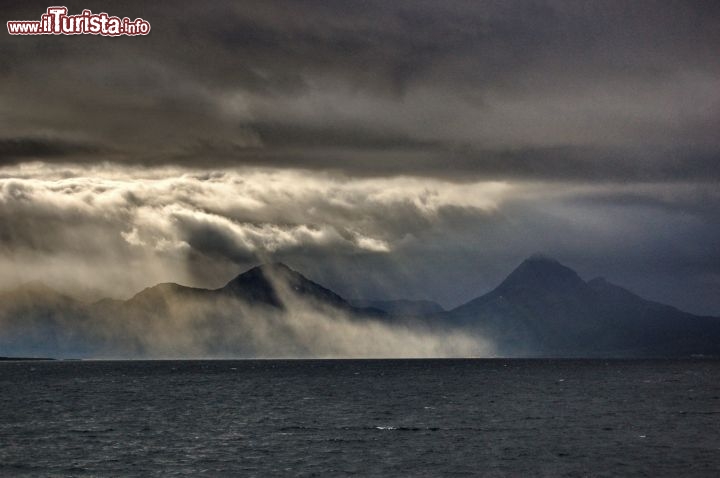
365,418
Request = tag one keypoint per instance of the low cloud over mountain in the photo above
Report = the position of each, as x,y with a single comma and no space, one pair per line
389,149
542,309
121,229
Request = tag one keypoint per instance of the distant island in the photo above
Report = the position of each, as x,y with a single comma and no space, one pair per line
24,359
542,309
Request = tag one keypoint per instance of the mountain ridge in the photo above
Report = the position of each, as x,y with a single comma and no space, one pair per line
542,308
548,308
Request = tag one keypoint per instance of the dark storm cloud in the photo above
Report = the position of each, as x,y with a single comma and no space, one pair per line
373,237
552,89
376,126
23,149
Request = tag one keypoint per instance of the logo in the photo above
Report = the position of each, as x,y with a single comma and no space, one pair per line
56,21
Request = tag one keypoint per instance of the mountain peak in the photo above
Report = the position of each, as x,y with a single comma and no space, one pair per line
541,272
264,273
268,283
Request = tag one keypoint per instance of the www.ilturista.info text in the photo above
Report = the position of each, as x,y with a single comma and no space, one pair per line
56,21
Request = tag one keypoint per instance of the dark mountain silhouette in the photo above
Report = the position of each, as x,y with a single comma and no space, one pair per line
37,320
544,308
401,307
267,283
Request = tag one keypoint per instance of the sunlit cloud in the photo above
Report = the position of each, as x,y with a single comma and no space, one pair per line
240,214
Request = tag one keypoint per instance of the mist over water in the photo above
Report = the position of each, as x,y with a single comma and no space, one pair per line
233,329
169,322
289,181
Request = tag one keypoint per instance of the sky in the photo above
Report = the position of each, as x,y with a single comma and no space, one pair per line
384,149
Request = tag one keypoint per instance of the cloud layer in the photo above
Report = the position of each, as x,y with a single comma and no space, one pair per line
119,229
406,148
494,90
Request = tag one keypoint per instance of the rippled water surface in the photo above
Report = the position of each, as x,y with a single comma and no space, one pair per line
367,418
